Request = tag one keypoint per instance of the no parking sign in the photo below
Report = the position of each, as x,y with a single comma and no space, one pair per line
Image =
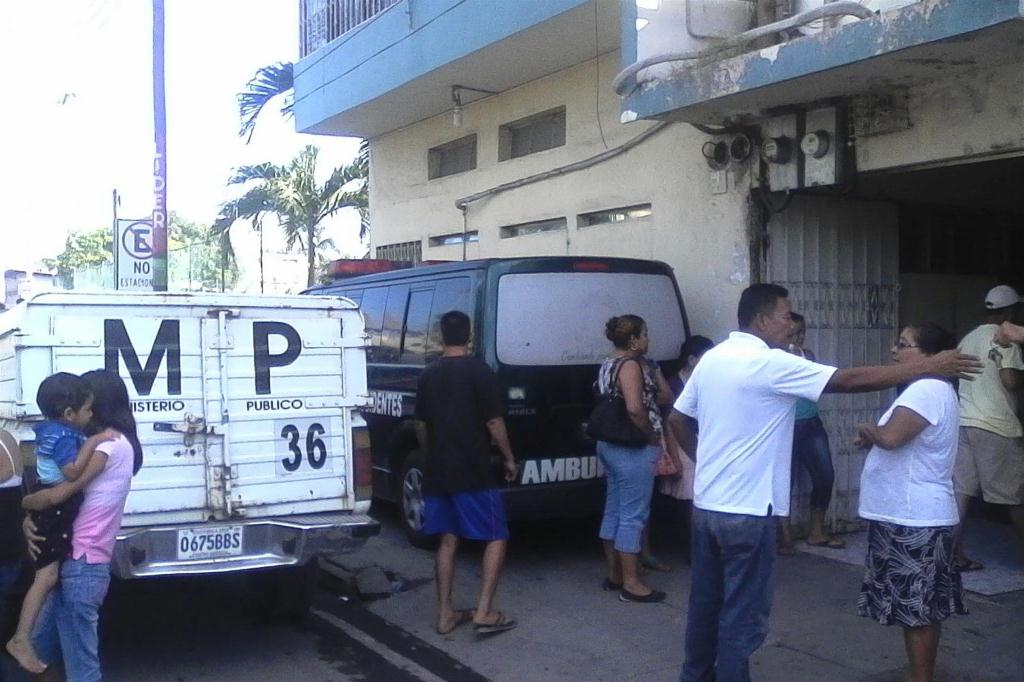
135,255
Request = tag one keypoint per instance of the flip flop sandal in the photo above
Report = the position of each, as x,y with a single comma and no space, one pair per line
501,624
461,618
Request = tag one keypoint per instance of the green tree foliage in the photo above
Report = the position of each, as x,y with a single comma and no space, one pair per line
83,249
194,255
270,82
292,193
277,82
197,259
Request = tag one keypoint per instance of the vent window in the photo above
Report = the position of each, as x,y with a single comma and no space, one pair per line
452,157
614,215
455,238
532,134
536,227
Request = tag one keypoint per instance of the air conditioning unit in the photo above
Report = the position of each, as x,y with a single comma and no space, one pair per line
676,25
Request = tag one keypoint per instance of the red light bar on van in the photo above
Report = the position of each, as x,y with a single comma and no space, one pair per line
352,267
590,266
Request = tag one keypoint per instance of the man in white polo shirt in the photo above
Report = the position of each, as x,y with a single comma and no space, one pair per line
743,397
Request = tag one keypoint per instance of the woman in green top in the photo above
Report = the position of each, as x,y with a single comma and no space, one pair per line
811,451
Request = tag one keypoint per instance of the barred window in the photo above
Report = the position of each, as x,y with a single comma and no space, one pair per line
404,251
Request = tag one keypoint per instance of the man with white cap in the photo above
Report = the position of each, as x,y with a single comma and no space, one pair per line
990,459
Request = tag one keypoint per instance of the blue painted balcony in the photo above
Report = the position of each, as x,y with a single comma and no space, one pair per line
373,66
906,43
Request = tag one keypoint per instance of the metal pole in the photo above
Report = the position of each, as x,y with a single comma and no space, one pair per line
160,158
115,200
465,229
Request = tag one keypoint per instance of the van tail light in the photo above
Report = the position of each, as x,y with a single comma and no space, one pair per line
362,465
590,266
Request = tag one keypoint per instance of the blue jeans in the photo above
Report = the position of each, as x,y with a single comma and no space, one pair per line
730,595
811,450
67,625
629,476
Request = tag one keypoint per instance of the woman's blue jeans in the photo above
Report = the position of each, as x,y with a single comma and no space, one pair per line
629,474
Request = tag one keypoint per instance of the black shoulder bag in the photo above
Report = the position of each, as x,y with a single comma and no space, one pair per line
610,421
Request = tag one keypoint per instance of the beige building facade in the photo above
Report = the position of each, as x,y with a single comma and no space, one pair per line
662,186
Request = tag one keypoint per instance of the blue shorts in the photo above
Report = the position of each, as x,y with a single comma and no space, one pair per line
473,515
67,625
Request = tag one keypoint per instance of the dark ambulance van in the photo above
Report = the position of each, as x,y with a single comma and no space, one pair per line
539,323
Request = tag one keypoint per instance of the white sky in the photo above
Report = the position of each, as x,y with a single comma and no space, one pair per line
60,161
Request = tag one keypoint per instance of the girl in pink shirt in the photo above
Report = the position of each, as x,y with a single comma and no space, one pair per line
67,626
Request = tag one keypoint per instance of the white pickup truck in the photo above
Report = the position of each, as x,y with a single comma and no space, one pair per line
256,455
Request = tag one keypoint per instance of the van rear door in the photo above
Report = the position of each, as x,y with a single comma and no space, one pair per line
280,392
549,342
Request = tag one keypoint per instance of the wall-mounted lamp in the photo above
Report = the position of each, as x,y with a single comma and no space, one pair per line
457,110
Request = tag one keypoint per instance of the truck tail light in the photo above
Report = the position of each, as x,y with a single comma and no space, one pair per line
362,464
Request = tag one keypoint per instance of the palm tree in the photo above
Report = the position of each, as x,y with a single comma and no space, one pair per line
292,194
278,80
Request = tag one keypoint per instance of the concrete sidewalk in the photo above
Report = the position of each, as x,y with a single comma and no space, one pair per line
571,630
816,635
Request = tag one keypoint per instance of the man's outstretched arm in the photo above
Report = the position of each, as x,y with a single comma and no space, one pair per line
949,364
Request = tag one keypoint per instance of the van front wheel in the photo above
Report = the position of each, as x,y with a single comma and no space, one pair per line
410,501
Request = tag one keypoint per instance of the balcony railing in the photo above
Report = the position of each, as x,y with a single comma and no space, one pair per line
321,21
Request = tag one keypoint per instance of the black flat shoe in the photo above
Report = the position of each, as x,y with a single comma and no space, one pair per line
609,586
653,598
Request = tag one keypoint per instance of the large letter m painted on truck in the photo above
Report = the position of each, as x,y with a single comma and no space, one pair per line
167,342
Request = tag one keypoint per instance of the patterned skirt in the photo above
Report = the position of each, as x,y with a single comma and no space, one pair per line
909,577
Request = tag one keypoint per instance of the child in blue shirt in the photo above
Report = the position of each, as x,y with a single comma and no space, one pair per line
62,454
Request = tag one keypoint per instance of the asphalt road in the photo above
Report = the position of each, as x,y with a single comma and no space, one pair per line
217,629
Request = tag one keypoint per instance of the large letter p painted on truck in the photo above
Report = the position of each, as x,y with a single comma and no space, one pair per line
168,341
261,357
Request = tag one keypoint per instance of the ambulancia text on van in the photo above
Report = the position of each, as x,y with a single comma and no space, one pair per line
256,455
539,323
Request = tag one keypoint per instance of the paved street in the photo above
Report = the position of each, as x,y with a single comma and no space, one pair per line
209,629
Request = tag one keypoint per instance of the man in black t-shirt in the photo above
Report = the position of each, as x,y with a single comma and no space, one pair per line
458,415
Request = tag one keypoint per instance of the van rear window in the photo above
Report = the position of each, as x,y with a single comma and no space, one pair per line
558,318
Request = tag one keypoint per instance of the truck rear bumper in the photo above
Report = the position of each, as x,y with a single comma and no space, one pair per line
264,543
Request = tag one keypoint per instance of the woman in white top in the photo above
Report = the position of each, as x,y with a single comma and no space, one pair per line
906,492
